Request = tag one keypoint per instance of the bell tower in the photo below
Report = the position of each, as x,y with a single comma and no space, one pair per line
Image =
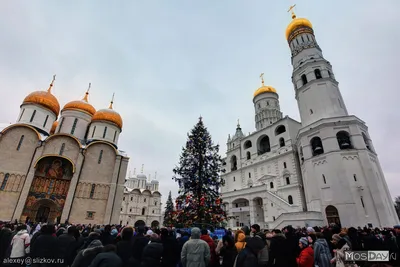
316,89
341,173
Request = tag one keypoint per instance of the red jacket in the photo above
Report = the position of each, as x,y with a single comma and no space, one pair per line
211,244
306,258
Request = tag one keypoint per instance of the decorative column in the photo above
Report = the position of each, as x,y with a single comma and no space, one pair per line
72,188
252,212
111,195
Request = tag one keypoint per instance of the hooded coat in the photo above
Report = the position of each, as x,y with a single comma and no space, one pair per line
195,252
306,257
20,244
278,251
86,256
240,240
152,255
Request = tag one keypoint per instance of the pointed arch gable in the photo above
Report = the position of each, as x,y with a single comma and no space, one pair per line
103,142
20,125
156,193
59,156
64,134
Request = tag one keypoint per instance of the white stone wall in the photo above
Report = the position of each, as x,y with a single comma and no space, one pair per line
96,131
267,110
68,118
39,120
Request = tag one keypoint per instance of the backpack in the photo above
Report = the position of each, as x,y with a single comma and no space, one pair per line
263,255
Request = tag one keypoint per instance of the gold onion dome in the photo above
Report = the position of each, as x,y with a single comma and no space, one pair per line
264,88
81,105
54,127
44,99
109,115
296,23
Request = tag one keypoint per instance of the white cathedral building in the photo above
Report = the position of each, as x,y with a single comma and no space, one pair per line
141,203
321,170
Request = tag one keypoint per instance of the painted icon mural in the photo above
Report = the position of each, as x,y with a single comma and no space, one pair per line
50,183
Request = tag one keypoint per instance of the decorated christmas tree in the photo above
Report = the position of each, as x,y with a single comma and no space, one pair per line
169,212
198,176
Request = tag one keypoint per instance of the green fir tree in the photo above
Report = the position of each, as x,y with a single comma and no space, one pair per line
198,176
169,212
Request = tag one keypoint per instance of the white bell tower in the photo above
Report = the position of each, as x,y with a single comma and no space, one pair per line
317,92
341,173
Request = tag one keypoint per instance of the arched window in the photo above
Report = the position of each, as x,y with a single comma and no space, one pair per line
233,163
74,126
323,178
284,165
316,146
100,157
366,141
290,199
287,180
61,124
317,73
332,215
144,200
343,139
143,211
20,142
33,116
271,185
4,183
247,144
248,155
105,132
22,114
264,145
92,191
304,79
62,149
281,142
115,136
234,179
280,129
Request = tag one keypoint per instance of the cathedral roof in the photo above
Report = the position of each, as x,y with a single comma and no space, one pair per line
81,105
264,88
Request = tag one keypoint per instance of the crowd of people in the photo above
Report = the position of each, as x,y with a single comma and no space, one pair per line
122,246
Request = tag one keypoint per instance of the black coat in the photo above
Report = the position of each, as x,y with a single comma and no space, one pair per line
278,251
45,246
228,255
124,251
86,256
152,255
5,241
106,259
67,248
139,242
171,251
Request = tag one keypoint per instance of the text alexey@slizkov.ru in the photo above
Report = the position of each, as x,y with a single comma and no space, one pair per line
30,261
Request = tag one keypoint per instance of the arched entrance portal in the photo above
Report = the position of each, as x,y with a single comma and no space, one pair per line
155,224
140,223
332,215
49,189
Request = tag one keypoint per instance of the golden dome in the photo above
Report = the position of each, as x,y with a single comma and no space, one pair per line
296,22
81,105
109,115
54,127
264,89
45,99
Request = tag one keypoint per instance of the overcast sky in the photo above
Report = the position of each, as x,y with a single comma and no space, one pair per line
169,61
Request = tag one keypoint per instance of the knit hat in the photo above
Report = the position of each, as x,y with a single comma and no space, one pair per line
310,230
304,241
336,237
149,232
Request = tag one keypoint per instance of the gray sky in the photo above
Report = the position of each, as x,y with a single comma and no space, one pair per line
169,61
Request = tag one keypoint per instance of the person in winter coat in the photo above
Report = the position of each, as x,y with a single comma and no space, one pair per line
68,245
205,237
5,241
240,240
322,254
278,250
171,250
263,255
45,245
152,255
341,246
86,256
139,242
20,244
306,257
292,246
125,246
228,251
248,256
107,258
195,252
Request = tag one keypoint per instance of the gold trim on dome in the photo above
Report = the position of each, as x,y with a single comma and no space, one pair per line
45,99
20,125
103,142
108,115
296,22
56,155
64,134
263,89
